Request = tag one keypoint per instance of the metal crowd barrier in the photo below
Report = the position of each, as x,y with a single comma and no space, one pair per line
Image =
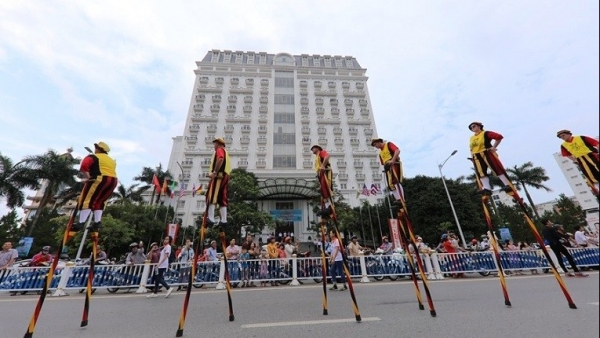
294,271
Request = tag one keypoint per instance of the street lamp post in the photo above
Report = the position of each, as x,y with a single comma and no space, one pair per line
462,236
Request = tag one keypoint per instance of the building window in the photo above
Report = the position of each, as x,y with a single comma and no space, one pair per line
215,57
239,57
338,63
227,57
284,139
250,59
349,63
282,161
316,62
304,62
343,186
263,59
284,118
284,82
327,62
284,98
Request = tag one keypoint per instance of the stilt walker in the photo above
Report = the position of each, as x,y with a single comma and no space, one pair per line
220,169
100,177
389,157
325,175
583,151
483,145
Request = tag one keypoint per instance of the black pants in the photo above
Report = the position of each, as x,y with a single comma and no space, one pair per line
560,250
159,278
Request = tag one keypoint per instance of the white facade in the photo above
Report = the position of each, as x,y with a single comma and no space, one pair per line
271,109
577,182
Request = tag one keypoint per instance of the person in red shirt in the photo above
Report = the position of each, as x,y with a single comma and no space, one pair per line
220,169
389,156
325,177
483,145
100,180
42,258
583,150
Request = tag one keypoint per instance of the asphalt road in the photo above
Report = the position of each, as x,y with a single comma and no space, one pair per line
472,307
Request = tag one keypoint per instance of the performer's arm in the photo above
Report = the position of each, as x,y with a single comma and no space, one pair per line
496,139
325,162
86,164
590,141
393,148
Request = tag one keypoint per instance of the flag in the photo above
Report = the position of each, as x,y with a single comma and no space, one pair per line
373,189
194,190
365,190
200,191
181,190
156,183
165,188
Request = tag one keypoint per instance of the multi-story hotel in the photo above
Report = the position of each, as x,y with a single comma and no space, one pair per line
270,109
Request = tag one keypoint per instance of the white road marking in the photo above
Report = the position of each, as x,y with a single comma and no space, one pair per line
595,303
308,322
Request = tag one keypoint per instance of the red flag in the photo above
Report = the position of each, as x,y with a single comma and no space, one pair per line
156,183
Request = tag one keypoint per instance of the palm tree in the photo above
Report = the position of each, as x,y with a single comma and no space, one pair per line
54,172
147,175
128,195
12,181
528,175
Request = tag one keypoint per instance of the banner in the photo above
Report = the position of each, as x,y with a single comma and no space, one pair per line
172,230
24,246
289,215
395,233
505,234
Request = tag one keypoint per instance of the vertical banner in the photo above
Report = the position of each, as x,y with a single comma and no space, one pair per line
172,230
24,246
395,233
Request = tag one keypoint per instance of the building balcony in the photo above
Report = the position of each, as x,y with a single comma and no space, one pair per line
377,177
353,131
187,164
360,177
219,80
305,130
360,85
374,164
261,150
305,111
348,102
229,139
264,90
261,164
331,84
262,140
262,129
264,82
321,130
229,129
346,85
216,98
349,111
249,82
368,132
305,119
262,118
307,164
320,110
338,141
318,84
319,101
304,101
240,90
194,128
208,140
303,91
303,84
342,177
245,140
306,140
204,80
335,112
365,112
247,99
198,107
362,102
358,164
323,141
264,100
191,139
341,164
247,109
200,97
231,108
215,108
242,164
333,102
246,129
263,109
337,130
354,141
232,98
234,81
204,118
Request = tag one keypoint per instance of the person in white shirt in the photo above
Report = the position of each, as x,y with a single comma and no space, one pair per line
161,267
580,238
336,261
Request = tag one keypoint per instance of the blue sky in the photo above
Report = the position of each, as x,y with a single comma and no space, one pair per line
74,73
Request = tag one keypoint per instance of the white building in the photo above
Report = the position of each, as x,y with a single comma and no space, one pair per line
582,191
271,108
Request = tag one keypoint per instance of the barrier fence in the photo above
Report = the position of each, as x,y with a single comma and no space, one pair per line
292,271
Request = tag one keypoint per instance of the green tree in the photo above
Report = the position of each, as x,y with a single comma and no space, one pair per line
567,213
147,175
528,175
12,180
54,172
129,195
10,230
